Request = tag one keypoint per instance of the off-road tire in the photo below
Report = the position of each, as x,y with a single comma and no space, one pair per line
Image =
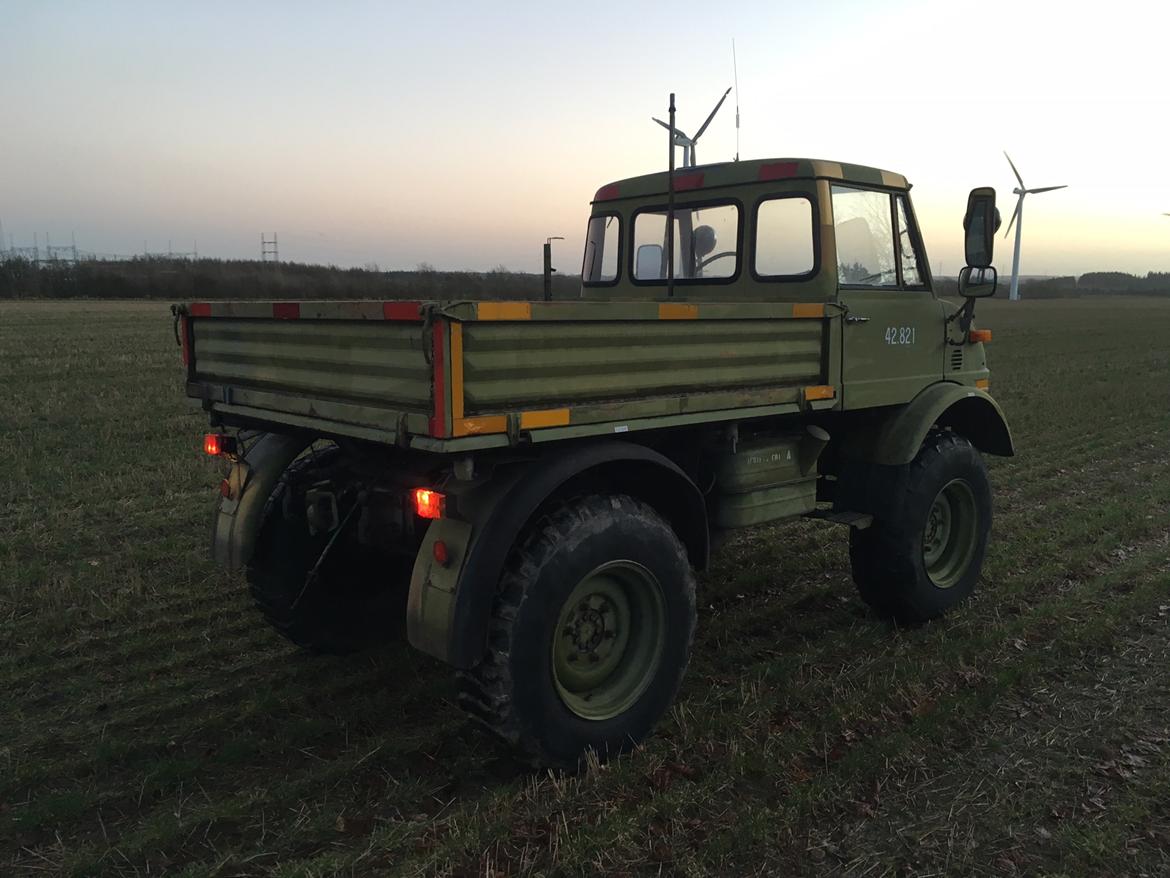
515,691
888,558
359,598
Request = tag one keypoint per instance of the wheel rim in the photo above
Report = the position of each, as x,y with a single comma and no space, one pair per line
950,534
609,640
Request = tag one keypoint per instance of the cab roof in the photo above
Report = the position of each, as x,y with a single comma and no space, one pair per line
751,171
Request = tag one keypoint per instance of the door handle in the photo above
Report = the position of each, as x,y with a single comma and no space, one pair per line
853,318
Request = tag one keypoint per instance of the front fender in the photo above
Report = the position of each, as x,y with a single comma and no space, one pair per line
251,480
968,411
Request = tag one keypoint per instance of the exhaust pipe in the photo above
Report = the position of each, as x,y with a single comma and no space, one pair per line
811,445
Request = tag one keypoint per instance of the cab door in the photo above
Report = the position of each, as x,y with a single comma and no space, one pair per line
892,339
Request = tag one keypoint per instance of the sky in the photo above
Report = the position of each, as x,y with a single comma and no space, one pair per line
463,134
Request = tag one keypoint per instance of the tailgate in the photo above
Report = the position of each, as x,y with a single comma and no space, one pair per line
353,368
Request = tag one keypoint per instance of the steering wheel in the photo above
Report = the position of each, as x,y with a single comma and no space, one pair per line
703,263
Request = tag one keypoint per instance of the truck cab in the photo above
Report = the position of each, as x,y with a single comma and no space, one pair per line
790,230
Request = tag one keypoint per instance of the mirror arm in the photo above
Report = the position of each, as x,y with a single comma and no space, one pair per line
966,315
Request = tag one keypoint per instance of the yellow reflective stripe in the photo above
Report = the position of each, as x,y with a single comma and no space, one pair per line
544,418
457,371
504,311
897,181
677,311
808,309
820,391
827,169
480,425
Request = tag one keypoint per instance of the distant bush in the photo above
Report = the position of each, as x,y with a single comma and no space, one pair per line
187,280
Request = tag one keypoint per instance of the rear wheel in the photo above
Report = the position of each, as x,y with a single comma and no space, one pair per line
590,633
353,598
924,551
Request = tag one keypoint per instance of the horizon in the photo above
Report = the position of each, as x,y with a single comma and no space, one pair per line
384,136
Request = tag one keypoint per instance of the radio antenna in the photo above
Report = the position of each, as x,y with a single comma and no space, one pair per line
735,80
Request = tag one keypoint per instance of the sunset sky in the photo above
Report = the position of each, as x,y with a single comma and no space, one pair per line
462,135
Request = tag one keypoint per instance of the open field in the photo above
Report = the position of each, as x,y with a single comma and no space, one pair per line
154,725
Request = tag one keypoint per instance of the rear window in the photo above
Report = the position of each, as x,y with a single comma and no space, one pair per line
602,243
706,243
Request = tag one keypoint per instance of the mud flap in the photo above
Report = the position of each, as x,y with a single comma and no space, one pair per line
251,480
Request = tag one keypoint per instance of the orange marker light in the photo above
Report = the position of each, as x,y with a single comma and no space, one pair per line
427,503
979,335
442,556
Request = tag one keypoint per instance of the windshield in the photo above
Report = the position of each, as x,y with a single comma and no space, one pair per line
601,250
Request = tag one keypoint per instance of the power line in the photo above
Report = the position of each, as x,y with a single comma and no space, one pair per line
269,249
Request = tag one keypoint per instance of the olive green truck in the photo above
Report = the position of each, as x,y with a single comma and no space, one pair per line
527,487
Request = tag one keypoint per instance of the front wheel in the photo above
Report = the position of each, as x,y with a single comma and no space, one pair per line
924,551
590,633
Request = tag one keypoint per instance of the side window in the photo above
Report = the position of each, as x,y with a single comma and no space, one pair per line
706,243
865,237
650,246
911,276
784,237
602,240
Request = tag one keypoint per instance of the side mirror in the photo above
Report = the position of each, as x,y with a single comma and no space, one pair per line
648,262
978,283
979,226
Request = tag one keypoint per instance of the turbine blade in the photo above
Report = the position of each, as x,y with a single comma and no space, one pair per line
660,122
712,116
1047,189
1015,213
1014,171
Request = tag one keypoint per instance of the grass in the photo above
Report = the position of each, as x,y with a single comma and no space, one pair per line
153,725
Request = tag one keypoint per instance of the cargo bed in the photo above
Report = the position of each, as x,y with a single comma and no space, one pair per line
450,376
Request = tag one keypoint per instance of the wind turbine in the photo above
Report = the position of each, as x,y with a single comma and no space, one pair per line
1018,219
688,143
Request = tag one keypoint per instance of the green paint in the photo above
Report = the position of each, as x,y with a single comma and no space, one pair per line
951,533
608,640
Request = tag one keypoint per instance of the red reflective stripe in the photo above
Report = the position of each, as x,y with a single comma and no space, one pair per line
438,427
185,341
778,170
401,311
606,193
199,309
687,181
286,310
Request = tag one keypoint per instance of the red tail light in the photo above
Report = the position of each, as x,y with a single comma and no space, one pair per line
216,444
427,503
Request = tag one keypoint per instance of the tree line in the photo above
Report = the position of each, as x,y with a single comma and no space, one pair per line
1094,283
198,279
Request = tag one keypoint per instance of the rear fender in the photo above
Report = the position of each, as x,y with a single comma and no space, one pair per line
449,607
968,411
251,480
